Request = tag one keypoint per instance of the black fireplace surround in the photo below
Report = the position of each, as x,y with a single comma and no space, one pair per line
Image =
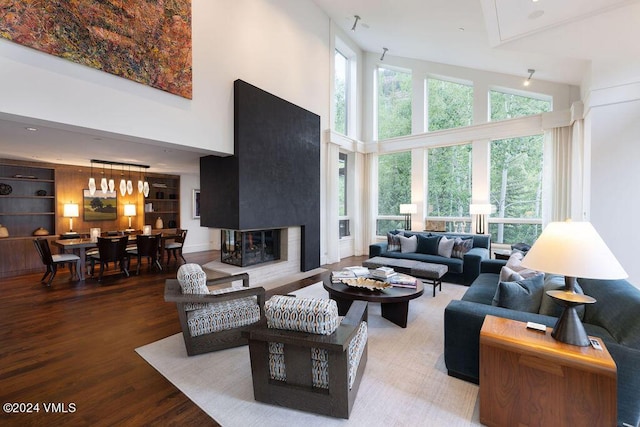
273,179
243,248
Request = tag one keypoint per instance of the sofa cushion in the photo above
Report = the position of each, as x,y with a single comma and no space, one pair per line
522,295
316,316
515,264
193,280
445,247
509,275
224,315
548,306
393,241
461,246
428,244
408,244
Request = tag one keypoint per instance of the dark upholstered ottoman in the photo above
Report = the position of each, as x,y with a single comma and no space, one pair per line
424,270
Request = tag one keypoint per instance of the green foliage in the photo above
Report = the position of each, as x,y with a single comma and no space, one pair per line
508,106
450,104
342,184
449,180
394,182
340,94
394,103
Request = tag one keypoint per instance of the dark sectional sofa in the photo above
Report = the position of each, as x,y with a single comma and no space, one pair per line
461,270
615,317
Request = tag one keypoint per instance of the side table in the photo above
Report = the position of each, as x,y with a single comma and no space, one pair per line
529,378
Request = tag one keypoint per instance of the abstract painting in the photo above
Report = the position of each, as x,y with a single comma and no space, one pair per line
147,41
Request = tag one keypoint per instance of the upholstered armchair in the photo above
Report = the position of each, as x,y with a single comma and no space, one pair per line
213,320
306,358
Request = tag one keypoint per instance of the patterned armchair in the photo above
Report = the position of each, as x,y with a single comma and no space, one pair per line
213,320
306,357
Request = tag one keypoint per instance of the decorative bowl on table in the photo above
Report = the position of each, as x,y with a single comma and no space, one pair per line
5,189
362,282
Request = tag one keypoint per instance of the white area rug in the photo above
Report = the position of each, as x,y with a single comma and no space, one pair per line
405,382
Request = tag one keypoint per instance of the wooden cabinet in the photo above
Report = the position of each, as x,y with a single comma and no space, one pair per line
27,199
163,200
528,378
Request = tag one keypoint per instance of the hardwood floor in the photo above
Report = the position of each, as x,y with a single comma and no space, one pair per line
72,345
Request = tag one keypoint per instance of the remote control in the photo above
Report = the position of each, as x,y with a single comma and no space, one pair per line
595,344
537,327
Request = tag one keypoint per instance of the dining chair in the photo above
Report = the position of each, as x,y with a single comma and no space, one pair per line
175,247
147,247
52,261
111,250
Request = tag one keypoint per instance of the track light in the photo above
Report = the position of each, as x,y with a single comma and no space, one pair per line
528,81
357,18
384,52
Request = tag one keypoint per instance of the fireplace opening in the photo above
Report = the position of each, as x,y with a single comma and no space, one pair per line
243,248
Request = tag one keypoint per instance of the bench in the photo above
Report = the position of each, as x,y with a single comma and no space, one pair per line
424,270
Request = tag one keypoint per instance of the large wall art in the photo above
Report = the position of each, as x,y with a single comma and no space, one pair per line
145,41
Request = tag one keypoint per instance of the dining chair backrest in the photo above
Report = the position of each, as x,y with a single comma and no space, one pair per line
42,246
182,235
148,245
112,249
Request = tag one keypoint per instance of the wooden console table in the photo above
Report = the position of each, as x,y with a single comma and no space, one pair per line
528,378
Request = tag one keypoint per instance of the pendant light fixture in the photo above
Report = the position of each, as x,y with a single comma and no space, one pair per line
145,188
112,183
123,183
92,182
140,183
103,182
129,183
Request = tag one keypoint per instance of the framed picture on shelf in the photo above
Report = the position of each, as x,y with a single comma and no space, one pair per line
196,203
101,206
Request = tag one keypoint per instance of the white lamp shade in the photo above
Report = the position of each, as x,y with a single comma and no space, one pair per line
140,186
112,185
70,210
408,209
123,187
480,208
92,186
129,187
145,189
573,249
129,209
103,185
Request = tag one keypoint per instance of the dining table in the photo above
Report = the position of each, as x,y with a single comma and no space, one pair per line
80,246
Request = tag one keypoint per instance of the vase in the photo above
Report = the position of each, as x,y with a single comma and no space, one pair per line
3,231
41,232
159,223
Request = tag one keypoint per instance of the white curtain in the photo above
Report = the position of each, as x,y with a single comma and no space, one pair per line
370,202
563,165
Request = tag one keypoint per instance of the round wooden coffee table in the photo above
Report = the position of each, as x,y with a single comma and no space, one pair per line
394,301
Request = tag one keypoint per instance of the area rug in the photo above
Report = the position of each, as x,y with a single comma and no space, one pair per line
405,382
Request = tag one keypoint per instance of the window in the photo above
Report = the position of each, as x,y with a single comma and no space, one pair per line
508,106
394,188
342,195
516,189
340,91
450,105
449,185
394,103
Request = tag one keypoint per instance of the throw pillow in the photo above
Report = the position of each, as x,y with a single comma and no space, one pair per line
393,241
408,244
445,247
508,275
461,246
428,244
521,295
514,263
548,306
193,280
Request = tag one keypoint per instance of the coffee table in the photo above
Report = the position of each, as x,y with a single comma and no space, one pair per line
394,301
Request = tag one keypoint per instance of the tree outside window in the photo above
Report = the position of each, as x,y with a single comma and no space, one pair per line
508,106
394,188
341,74
450,105
394,103
449,181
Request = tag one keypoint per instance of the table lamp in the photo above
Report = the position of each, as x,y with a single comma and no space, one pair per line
480,210
129,210
572,249
407,210
70,210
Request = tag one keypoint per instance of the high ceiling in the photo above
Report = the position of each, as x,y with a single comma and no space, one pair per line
557,38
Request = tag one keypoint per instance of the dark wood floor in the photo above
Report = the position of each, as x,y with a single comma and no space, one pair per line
73,344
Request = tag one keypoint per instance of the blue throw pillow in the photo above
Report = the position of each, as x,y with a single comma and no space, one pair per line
428,244
523,295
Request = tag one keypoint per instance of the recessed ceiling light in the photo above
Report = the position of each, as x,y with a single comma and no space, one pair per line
31,129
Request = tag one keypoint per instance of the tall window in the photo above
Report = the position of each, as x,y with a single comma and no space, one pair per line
394,188
449,185
516,189
341,83
394,103
508,106
342,195
450,105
